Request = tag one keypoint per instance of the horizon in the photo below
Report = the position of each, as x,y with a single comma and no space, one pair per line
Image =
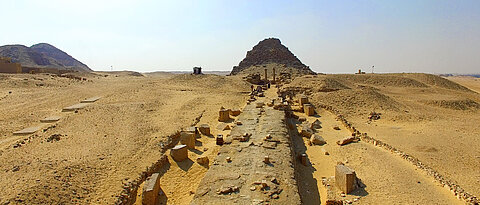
329,37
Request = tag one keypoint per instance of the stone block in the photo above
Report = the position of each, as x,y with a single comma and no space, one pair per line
306,131
27,131
223,126
308,109
204,129
75,107
317,140
151,189
188,138
316,124
345,178
203,160
223,115
219,140
303,100
179,153
91,100
259,104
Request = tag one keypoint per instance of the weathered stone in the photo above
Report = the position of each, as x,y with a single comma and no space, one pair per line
203,160
90,100
303,159
316,124
29,130
345,178
336,127
345,141
303,100
179,153
219,139
151,189
223,115
302,119
324,151
75,107
266,160
228,159
306,132
50,119
259,104
235,112
317,140
188,138
204,129
308,109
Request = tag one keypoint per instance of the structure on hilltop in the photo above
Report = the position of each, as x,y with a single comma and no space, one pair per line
271,51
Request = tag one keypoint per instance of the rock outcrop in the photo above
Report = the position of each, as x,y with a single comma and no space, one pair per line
268,51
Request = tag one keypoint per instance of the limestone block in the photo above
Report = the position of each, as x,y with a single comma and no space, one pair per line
223,115
303,100
151,189
50,119
308,109
179,153
317,140
219,139
345,178
204,129
188,138
345,141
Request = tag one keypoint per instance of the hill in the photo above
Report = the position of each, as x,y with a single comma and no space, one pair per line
270,51
42,55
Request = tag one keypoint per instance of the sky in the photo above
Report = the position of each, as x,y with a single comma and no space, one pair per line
432,36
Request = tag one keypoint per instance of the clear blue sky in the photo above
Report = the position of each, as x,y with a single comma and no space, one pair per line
435,36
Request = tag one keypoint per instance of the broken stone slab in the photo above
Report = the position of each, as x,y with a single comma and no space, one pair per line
50,119
223,115
235,112
179,153
308,109
223,126
204,129
317,140
345,141
151,189
188,138
90,100
28,130
345,178
75,107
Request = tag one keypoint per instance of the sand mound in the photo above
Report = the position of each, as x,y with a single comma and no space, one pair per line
435,80
380,80
313,84
465,104
212,81
358,101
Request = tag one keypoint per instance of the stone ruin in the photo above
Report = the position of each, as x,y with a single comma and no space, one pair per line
197,70
271,50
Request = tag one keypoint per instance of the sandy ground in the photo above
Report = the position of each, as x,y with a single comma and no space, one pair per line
423,115
109,142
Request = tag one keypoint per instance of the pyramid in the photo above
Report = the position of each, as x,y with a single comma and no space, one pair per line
268,51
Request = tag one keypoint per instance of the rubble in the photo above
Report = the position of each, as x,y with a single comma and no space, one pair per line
345,141
317,140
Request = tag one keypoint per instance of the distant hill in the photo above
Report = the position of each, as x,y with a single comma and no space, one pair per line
42,55
270,52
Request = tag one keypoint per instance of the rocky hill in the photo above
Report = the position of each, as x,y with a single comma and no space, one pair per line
42,55
271,51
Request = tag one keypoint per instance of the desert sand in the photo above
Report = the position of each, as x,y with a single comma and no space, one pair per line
89,156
